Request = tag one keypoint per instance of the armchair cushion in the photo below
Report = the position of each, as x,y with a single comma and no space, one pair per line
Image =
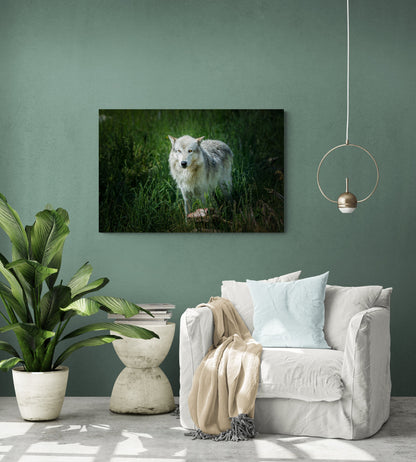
239,294
341,304
383,300
305,374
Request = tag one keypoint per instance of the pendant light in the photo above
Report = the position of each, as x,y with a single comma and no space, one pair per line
347,202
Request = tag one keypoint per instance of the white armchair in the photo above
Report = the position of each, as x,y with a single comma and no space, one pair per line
325,393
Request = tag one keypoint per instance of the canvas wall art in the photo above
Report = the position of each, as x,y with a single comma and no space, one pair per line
191,170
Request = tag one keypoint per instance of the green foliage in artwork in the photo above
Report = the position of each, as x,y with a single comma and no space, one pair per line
138,194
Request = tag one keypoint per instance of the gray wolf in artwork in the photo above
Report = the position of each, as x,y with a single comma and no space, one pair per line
200,166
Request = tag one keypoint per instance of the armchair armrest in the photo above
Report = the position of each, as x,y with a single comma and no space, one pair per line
195,338
366,371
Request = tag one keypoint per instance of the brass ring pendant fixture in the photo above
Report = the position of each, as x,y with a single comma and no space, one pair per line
347,202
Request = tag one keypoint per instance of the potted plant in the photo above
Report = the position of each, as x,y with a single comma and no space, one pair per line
38,310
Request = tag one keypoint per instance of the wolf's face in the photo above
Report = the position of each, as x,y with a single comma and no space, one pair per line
186,151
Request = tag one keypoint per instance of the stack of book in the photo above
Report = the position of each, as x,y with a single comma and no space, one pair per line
162,312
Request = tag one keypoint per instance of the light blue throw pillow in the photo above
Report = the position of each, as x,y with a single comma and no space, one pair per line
289,314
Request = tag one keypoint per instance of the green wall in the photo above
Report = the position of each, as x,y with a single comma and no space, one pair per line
61,61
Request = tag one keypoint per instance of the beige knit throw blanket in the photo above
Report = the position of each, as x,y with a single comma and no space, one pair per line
224,386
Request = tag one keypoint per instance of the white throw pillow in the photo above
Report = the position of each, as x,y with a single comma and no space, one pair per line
383,301
239,294
341,304
289,314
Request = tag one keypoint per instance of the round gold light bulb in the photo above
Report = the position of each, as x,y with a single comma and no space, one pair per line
347,202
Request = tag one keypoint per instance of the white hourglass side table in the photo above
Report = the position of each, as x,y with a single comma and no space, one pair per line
142,387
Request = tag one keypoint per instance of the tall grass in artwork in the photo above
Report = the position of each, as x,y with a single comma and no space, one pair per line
138,194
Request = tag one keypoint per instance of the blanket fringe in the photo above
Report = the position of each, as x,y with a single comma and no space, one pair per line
242,429
176,412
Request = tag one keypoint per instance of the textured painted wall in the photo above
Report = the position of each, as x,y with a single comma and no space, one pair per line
63,60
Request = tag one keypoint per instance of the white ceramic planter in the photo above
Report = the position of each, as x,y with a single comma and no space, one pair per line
40,395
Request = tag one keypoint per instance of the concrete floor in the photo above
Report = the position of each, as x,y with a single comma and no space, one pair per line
88,432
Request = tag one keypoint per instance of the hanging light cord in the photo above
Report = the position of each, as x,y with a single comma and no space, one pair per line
348,73
347,142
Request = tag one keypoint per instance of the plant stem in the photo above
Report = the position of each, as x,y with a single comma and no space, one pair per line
61,330
35,307
26,351
48,359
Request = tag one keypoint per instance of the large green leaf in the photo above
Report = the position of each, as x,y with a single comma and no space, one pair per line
80,279
12,226
93,341
83,307
12,304
51,304
47,236
4,260
57,259
91,287
21,306
33,272
28,230
4,346
80,285
27,288
9,363
63,214
89,306
118,306
127,330
33,336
